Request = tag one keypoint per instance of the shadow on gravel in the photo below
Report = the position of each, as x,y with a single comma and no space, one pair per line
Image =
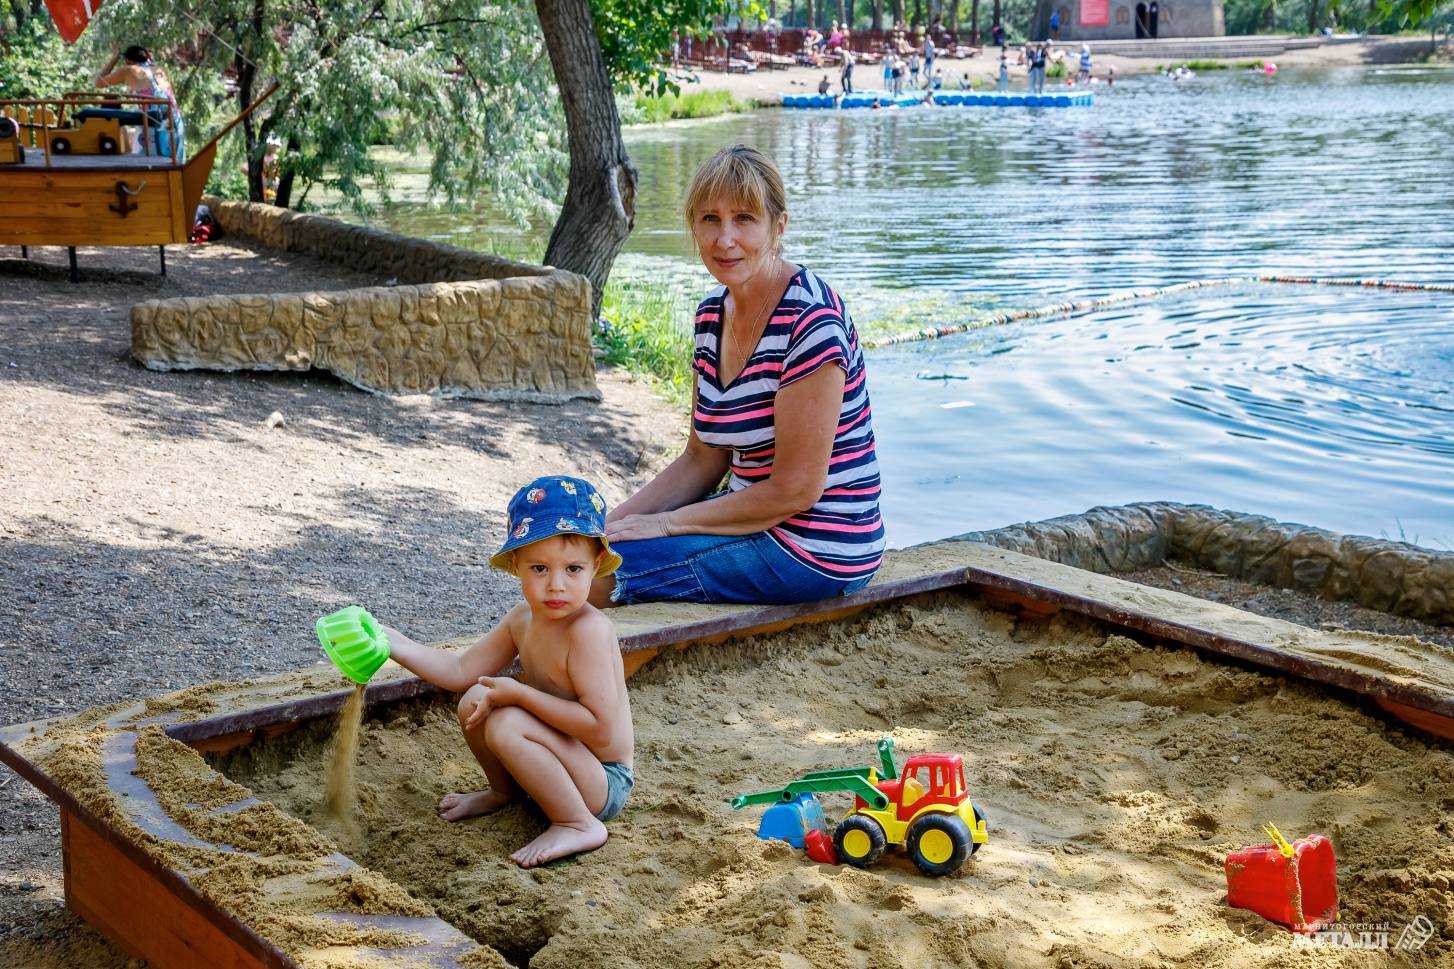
89,624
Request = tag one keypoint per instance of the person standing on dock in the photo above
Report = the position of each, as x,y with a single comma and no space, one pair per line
888,56
1085,63
929,53
845,78
1004,84
914,68
1037,55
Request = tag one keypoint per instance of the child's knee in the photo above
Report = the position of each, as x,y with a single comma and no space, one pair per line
471,698
507,724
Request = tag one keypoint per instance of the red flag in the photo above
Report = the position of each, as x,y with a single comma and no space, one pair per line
72,16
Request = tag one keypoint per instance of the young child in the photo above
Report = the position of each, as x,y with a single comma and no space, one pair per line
561,734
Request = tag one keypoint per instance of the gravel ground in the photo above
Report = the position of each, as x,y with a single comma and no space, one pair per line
156,532
1286,604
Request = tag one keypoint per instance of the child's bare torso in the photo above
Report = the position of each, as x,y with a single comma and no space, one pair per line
544,650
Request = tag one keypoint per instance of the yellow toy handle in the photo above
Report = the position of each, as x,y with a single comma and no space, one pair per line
1271,831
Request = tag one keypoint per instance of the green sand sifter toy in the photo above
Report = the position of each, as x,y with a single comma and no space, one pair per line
353,640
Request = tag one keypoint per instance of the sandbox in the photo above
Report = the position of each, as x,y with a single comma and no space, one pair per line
1120,740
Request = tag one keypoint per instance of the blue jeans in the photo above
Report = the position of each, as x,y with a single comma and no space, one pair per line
720,568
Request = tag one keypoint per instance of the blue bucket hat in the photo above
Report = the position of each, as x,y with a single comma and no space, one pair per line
555,506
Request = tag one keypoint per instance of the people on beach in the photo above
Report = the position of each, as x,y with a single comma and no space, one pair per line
561,734
1036,56
146,79
929,54
1085,62
1055,24
845,76
888,68
913,68
1004,82
823,86
780,409
997,37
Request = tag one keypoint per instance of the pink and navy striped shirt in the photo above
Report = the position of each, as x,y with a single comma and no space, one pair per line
841,536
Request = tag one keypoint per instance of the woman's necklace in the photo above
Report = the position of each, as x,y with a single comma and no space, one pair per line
746,352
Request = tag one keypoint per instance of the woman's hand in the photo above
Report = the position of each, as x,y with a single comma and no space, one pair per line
634,528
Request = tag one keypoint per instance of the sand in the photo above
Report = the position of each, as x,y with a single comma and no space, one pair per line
1115,778
339,798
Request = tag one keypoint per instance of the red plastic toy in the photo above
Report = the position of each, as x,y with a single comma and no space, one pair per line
1294,885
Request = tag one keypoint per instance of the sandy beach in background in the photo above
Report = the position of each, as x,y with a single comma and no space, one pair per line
766,86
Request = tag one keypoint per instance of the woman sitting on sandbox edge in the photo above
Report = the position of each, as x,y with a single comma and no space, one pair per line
779,401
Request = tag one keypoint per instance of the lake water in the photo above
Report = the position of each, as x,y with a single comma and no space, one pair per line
1331,406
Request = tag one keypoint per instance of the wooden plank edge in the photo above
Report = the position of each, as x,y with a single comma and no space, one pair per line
1210,640
221,733
235,929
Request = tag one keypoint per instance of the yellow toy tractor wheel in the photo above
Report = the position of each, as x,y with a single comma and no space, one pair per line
859,840
939,843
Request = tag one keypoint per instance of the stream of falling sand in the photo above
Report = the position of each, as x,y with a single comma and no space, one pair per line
339,799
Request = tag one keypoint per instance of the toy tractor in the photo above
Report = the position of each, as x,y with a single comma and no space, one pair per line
927,810
85,136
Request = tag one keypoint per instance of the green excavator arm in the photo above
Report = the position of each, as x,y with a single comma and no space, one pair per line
854,780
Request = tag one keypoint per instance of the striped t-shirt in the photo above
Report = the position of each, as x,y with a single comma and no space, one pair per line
841,536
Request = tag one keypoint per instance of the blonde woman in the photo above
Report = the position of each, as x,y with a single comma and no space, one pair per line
780,409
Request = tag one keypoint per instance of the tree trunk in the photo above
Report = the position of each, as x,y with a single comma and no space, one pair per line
973,21
284,198
808,20
997,16
1313,17
600,198
897,9
878,14
246,76
918,13
842,13
1269,16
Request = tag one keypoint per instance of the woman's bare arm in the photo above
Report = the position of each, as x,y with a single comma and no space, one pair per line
805,426
695,472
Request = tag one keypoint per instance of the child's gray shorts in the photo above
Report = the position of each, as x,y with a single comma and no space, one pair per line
619,781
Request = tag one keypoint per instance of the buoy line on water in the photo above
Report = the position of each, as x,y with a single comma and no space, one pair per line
1086,305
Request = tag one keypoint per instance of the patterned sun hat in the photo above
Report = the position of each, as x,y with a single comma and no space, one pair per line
555,506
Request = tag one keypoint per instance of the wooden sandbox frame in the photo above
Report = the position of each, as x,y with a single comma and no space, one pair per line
156,913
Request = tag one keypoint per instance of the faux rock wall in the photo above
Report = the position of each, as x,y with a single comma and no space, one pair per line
1389,576
460,324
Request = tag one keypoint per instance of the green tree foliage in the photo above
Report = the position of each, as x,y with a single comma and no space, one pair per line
465,81
1363,16
33,60
635,33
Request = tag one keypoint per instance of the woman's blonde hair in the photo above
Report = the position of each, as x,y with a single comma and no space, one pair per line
744,175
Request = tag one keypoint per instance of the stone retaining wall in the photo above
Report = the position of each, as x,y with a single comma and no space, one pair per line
1389,576
459,324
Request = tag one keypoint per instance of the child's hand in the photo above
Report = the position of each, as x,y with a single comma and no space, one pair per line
504,691
483,708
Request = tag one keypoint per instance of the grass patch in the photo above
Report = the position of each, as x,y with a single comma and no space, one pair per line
645,328
692,104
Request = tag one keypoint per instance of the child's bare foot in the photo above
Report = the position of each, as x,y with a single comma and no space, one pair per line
457,807
560,840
